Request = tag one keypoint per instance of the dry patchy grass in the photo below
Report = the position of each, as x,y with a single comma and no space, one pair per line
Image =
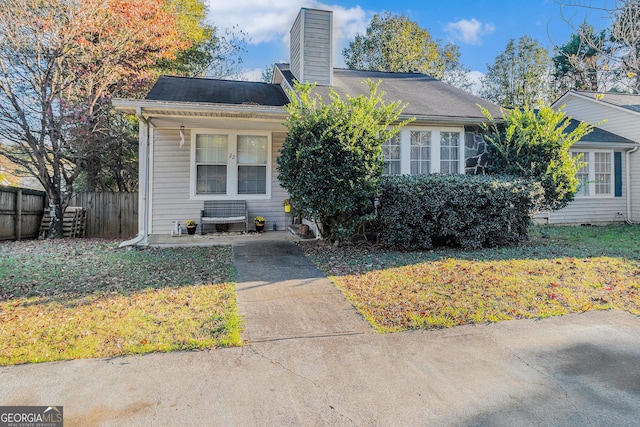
73,299
561,270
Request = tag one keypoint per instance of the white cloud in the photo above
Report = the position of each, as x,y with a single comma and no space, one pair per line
265,21
475,79
270,20
469,31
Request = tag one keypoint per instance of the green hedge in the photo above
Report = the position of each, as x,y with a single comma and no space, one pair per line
422,212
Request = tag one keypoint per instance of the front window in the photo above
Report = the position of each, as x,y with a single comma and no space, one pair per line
252,164
229,164
211,164
449,152
391,154
420,152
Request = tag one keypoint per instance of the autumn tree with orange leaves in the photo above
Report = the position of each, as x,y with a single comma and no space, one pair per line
61,61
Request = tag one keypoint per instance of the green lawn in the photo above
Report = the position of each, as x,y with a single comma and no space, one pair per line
83,298
561,270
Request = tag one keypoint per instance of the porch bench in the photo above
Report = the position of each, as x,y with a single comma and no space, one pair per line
224,212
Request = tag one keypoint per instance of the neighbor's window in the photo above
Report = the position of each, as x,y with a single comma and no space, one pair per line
582,174
230,165
596,176
391,154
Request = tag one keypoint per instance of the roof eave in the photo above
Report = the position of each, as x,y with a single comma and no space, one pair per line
447,119
203,109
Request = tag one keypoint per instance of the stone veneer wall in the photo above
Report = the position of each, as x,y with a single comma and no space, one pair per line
475,151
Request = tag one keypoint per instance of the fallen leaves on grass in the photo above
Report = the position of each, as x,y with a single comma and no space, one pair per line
73,299
397,291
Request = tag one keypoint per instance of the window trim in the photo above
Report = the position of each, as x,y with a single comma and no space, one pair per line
232,166
591,173
405,147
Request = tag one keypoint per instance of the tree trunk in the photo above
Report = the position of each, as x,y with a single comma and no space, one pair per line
56,230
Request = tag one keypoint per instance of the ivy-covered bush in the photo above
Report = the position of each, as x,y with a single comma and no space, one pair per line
470,212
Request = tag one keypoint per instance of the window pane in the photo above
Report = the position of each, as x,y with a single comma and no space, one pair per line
449,152
211,179
252,149
602,168
420,152
252,179
211,149
391,154
583,173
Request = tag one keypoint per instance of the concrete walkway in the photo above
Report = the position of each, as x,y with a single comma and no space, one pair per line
311,361
282,295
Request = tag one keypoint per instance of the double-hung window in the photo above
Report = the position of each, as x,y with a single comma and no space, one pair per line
596,175
449,152
391,154
229,164
421,151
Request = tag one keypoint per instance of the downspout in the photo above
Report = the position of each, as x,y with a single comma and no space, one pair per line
628,165
143,182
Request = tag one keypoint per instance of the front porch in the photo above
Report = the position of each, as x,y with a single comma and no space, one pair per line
221,239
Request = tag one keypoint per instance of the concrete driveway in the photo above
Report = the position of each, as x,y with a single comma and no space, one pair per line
575,370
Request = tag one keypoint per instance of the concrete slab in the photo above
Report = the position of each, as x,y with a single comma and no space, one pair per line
282,295
312,361
575,370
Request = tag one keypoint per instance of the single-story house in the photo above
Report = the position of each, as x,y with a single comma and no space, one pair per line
610,186
218,140
207,139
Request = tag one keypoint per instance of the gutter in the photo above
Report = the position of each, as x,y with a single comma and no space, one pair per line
628,165
143,183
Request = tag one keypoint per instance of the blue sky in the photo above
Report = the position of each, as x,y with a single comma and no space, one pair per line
481,28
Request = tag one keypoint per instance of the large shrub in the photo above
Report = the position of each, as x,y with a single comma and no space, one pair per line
331,160
422,212
534,144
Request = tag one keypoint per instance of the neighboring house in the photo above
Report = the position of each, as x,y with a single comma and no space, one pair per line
205,139
610,185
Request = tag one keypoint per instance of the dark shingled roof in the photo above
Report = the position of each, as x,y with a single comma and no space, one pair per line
425,95
185,89
598,135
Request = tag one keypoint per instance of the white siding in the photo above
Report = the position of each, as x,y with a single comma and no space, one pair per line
635,184
170,200
594,210
591,211
618,121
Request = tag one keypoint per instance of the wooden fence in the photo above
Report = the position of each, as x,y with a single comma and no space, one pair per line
21,210
109,215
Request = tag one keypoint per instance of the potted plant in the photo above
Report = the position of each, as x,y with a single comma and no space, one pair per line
259,221
287,205
191,226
